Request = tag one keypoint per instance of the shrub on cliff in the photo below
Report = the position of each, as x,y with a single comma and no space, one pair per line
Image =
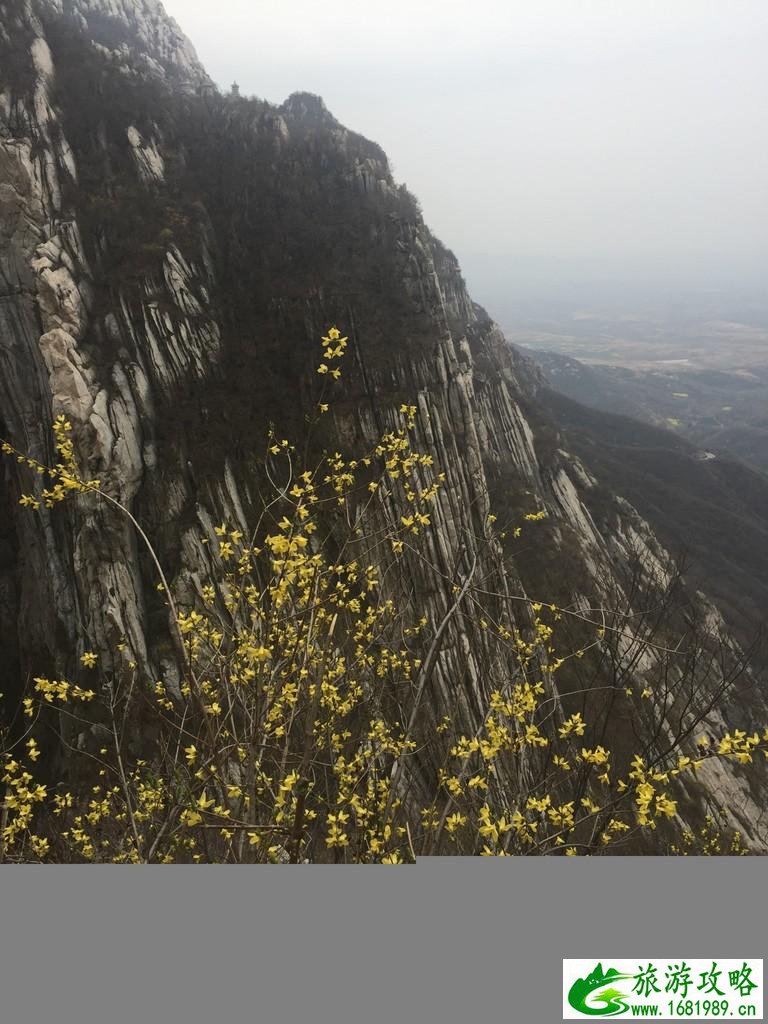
304,720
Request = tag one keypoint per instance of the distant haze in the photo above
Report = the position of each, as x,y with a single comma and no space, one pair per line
554,145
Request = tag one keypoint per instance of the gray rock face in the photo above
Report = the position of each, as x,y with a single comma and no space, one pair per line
168,259
138,29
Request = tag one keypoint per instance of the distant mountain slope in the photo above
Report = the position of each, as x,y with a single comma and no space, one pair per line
725,411
713,507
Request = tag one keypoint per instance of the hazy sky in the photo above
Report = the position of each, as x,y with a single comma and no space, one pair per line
626,138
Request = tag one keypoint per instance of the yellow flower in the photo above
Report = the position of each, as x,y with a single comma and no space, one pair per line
665,806
575,724
454,822
89,659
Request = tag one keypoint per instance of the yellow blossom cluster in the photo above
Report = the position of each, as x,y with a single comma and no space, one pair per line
311,716
64,475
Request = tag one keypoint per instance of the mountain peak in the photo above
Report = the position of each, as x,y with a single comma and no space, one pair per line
307,106
134,29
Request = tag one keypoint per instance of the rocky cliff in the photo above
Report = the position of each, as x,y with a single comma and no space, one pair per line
168,258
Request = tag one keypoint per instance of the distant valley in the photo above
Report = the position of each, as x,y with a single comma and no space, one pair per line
706,380
672,412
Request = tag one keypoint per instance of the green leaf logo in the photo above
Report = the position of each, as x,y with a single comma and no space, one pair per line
596,996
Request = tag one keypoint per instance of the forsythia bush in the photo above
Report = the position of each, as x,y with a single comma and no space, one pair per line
299,719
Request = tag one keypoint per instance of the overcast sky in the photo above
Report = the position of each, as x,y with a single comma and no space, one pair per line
627,138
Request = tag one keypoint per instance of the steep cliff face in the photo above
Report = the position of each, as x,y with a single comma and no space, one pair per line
168,258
